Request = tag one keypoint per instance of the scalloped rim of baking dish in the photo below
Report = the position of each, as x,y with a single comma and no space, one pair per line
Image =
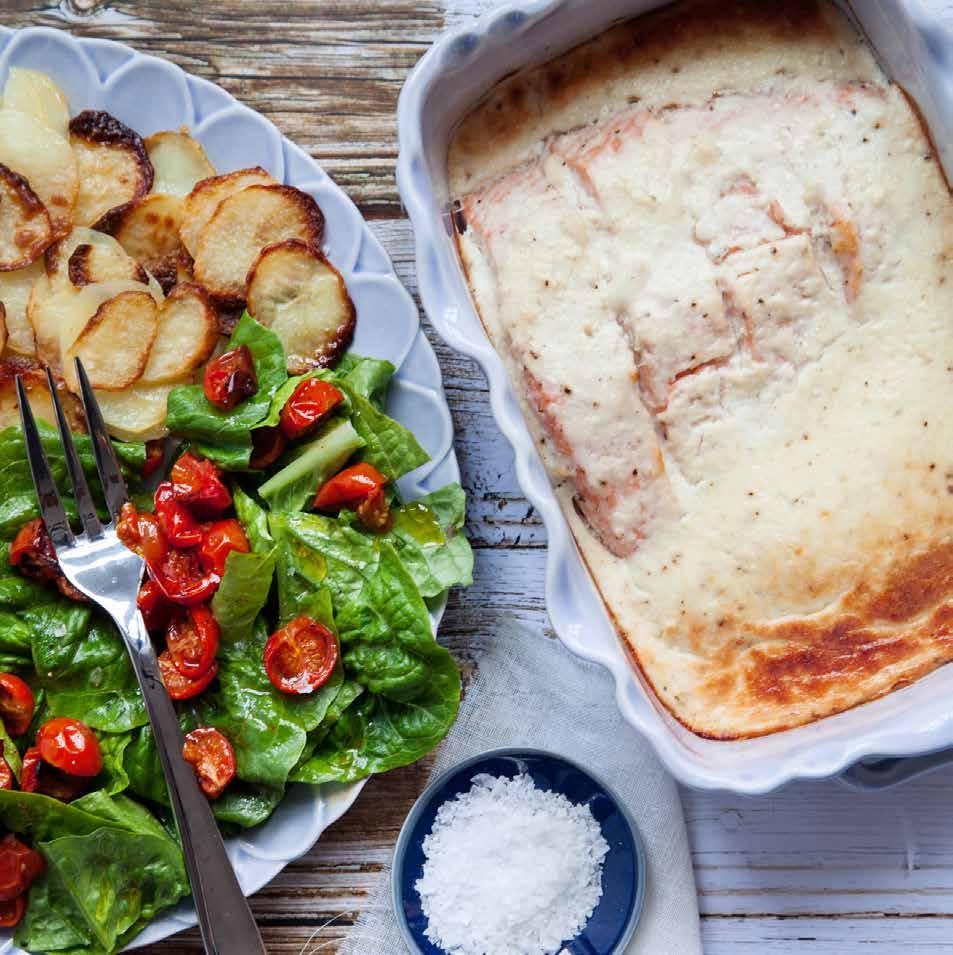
916,47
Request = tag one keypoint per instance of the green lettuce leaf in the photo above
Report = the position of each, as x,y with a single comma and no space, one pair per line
368,377
427,535
242,593
295,484
254,518
18,503
225,436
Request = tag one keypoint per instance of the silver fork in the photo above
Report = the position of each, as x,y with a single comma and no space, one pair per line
98,564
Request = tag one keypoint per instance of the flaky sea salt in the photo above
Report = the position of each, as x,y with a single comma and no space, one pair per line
510,869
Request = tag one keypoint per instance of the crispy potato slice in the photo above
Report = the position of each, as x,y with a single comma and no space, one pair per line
35,93
38,394
188,333
302,298
179,162
115,344
45,160
15,288
148,229
242,226
207,195
25,227
90,264
113,165
138,412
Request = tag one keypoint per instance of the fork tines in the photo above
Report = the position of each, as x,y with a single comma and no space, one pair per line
51,506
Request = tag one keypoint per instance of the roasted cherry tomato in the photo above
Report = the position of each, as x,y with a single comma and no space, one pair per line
180,578
268,444
199,484
213,758
155,607
70,746
349,487
16,704
181,529
155,452
230,378
181,687
11,912
374,513
140,532
301,656
192,641
32,552
6,773
218,541
308,405
36,776
19,866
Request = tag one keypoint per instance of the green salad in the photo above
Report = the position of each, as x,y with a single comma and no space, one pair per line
323,537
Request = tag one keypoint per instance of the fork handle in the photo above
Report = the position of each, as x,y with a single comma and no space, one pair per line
225,919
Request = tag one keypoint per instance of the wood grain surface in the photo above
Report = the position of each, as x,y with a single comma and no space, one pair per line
815,868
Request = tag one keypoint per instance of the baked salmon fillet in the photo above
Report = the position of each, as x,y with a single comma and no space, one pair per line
713,247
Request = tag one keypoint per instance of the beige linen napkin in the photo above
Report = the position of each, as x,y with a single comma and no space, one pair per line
530,691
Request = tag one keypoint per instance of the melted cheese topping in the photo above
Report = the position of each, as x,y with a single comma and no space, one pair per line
713,247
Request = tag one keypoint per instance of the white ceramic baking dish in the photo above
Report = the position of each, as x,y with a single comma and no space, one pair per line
914,40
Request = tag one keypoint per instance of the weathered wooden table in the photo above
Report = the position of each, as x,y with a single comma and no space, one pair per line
814,868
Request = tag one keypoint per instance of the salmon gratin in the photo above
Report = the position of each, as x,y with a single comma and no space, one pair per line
713,246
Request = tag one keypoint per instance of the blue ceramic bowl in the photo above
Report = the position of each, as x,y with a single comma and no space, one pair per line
623,873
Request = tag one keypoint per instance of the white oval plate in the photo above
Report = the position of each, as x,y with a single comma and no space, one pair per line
150,94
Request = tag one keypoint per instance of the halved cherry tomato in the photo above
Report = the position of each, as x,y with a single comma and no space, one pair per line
301,656
267,446
181,687
140,532
213,758
199,483
36,776
32,551
192,641
230,378
349,487
308,405
180,578
218,541
155,452
181,529
155,608
70,746
16,704
11,912
374,513
19,866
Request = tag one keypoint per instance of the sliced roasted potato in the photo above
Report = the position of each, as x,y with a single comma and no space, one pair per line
138,412
188,332
242,226
302,298
38,393
90,264
35,93
3,327
148,229
25,227
113,165
207,195
45,160
114,345
15,288
179,162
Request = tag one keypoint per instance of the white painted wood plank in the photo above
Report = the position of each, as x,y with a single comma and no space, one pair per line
872,936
